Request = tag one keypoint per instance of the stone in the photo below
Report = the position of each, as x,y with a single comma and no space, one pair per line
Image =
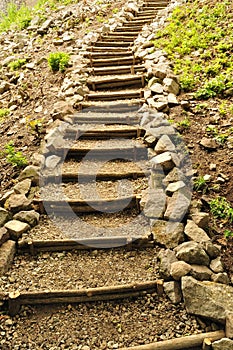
166,258
229,325
216,265
169,234
62,109
160,70
150,140
161,106
195,233
4,216
152,82
192,253
8,60
174,187
18,202
30,172
177,207
208,143
31,217
147,94
174,175
171,86
220,277
179,269
207,299
37,159
201,219
201,272
157,88
164,159
212,249
223,344
4,86
172,290
172,100
16,228
156,179
4,235
7,252
155,204
164,144
23,187
52,161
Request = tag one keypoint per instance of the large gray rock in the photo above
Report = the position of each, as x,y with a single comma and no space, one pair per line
177,207
30,172
7,252
4,216
174,187
192,253
201,272
23,186
164,144
195,233
164,160
169,234
155,205
212,249
31,217
170,85
207,299
201,219
179,269
166,258
223,344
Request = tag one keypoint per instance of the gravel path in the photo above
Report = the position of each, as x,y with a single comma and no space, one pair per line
101,326
80,269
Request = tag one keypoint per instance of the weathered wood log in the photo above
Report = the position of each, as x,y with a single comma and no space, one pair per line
114,61
118,44
82,295
124,132
35,246
113,107
117,70
107,118
179,343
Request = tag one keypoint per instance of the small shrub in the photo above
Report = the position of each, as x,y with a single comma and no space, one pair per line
14,158
17,64
221,209
58,61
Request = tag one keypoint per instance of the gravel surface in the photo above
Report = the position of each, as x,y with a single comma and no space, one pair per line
80,269
99,326
126,223
96,190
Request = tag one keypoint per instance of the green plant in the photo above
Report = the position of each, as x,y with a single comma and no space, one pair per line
199,183
13,157
185,123
115,10
228,233
221,209
17,64
58,61
17,17
3,113
35,126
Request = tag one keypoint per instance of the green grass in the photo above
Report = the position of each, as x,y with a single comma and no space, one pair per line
199,41
20,17
13,157
3,113
17,64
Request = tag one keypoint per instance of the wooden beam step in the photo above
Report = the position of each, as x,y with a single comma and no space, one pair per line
129,34
128,29
107,55
104,132
114,95
129,69
109,48
81,206
115,61
116,292
116,81
120,106
138,21
125,118
119,44
118,38
103,176
37,246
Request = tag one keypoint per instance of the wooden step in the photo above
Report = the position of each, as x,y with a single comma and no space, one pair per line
125,118
107,55
114,95
119,44
115,61
130,69
131,152
109,48
63,207
120,106
137,21
104,132
124,34
118,38
116,82
128,29
147,13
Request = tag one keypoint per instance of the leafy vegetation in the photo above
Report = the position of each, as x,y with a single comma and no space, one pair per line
20,17
221,209
58,61
199,183
3,113
13,157
17,64
199,41
228,233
